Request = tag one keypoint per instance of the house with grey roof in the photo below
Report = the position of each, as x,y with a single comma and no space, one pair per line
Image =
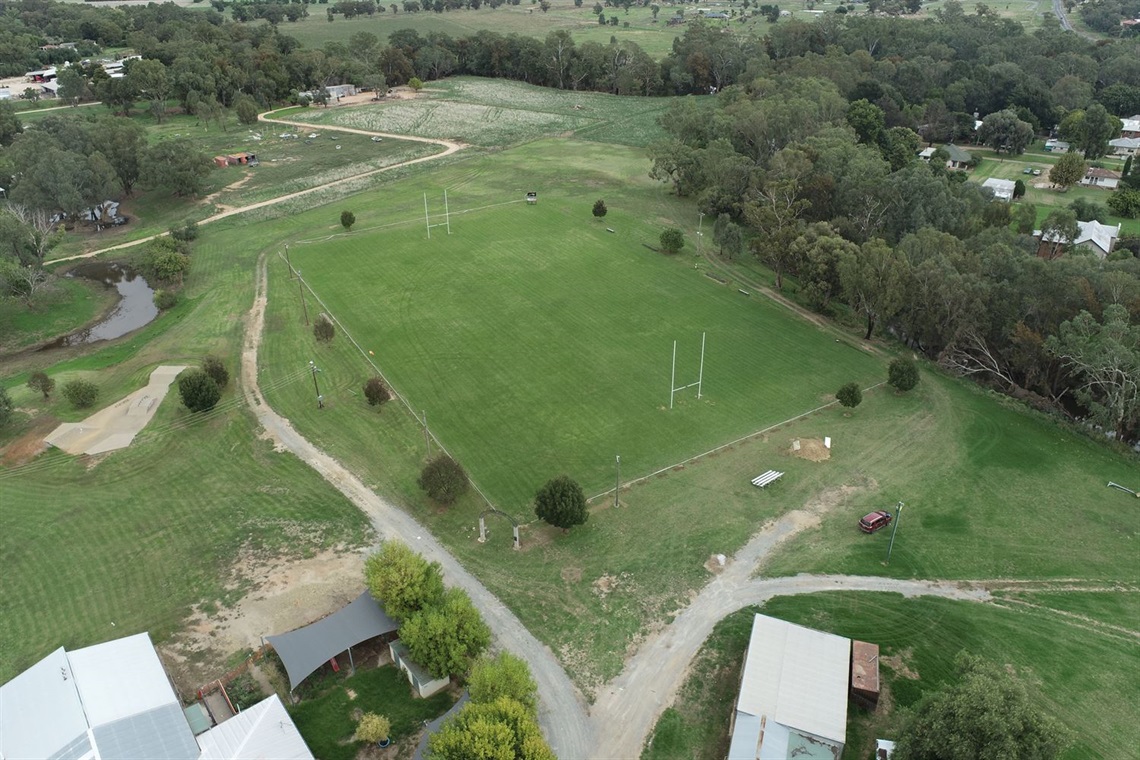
114,700
1001,188
1093,236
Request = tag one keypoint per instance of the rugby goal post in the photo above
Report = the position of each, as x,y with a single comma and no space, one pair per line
699,384
446,216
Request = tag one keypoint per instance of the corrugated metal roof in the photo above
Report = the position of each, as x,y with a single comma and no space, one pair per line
264,731
40,712
797,677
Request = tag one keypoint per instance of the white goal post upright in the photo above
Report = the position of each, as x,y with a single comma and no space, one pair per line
446,216
700,376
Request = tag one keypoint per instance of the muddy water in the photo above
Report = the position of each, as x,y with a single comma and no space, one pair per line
135,308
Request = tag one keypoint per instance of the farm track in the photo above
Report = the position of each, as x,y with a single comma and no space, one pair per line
449,147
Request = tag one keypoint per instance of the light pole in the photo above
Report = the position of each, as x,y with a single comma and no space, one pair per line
700,223
320,398
894,530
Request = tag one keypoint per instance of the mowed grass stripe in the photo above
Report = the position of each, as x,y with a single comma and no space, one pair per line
540,343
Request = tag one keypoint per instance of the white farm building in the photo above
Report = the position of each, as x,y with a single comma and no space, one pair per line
793,694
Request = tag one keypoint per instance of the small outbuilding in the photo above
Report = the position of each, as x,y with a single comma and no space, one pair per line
793,694
1056,146
532,198
424,684
1002,188
865,674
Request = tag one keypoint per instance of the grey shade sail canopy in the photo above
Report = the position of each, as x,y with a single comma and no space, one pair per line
306,649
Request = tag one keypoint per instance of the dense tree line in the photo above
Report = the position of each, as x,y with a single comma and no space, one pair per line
1105,15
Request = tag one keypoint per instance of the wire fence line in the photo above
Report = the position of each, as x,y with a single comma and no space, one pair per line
643,478
376,368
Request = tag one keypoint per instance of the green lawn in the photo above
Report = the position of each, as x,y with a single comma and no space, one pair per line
68,304
1089,680
138,536
540,343
499,113
326,722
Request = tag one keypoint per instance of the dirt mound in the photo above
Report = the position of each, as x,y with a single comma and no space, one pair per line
811,449
28,446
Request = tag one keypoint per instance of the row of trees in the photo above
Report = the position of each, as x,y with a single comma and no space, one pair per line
817,188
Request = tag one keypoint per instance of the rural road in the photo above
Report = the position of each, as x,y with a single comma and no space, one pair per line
449,147
1059,12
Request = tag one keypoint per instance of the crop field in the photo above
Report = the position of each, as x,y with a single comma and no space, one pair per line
539,342
496,113
1080,672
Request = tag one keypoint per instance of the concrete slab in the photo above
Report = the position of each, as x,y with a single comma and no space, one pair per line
115,426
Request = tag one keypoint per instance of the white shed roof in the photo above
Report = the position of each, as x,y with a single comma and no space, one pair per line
45,689
111,700
797,677
1000,186
1131,125
264,731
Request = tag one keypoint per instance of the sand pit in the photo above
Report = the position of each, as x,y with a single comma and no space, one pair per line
117,425
811,449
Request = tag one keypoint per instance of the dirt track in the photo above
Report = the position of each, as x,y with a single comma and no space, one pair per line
449,147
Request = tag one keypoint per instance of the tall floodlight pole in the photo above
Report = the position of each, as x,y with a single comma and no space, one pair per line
288,262
317,388
700,223
898,518
673,376
427,219
701,376
427,434
617,481
446,212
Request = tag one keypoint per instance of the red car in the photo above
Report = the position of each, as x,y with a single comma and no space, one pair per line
874,521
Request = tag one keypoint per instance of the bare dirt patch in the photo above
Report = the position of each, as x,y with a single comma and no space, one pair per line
286,594
713,563
605,585
898,664
31,444
811,449
571,575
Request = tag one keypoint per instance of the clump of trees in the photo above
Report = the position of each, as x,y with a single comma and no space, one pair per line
6,407
376,391
849,395
201,388
902,374
373,728
986,713
198,390
403,581
41,383
323,329
81,394
442,629
600,209
444,480
561,503
347,219
672,240
501,716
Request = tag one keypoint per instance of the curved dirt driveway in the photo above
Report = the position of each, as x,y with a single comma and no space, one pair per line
562,711
449,147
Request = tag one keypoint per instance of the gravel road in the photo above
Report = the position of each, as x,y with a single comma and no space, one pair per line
562,710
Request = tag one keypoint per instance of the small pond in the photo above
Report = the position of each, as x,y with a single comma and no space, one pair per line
135,308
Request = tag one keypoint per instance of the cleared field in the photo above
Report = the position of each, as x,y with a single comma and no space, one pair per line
498,113
986,484
1084,677
540,343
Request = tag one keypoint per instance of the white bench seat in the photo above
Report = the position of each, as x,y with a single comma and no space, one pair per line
771,476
